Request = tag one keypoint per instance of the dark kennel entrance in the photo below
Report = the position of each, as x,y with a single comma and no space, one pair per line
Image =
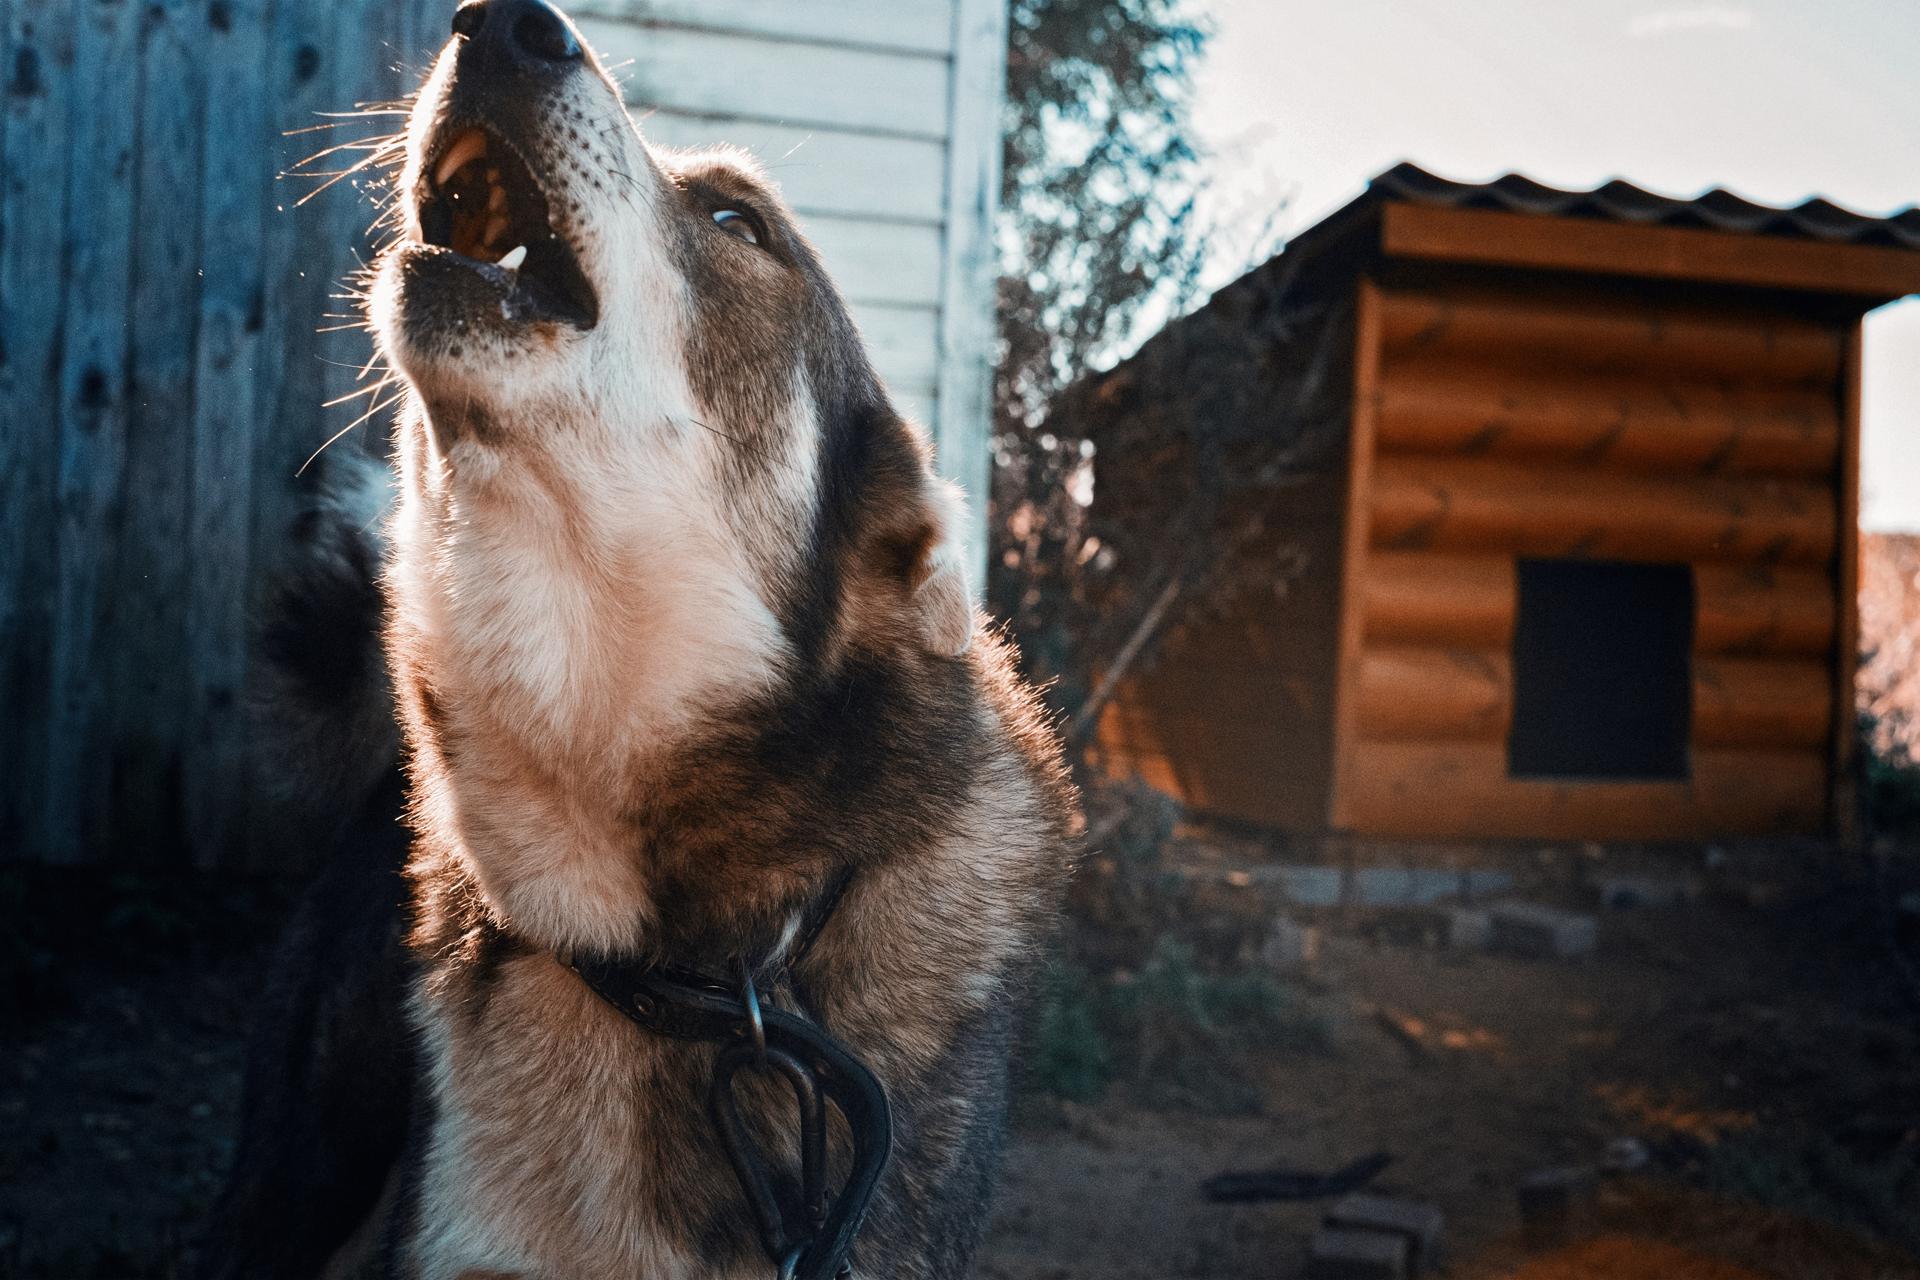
1602,676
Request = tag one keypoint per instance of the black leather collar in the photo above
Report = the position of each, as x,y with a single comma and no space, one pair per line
810,1240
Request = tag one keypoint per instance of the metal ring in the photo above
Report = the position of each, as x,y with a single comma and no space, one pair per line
751,998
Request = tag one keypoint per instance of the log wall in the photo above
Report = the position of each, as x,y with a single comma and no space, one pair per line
1491,426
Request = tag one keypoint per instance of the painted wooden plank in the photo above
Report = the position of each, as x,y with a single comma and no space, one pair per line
1498,238
1368,340
896,263
1432,598
93,430
917,26
1449,504
317,64
710,72
1422,693
226,414
919,403
147,692
331,359
1763,703
423,29
1843,808
903,341
823,170
1540,329
1635,422
332,224
39,84
968,337
1439,790
1763,611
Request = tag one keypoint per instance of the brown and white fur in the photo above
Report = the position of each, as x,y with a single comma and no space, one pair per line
678,630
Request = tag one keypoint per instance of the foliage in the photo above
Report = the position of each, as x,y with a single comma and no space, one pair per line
1890,790
1183,1035
1148,990
1818,1178
1101,238
1189,1030
1098,184
1097,228
1068,1054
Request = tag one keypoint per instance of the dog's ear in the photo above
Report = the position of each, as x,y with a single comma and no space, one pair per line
909,584
940,597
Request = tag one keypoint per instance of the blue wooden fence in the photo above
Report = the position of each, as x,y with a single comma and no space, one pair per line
161,381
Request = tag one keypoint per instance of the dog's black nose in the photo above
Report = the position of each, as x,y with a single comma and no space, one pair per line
528,32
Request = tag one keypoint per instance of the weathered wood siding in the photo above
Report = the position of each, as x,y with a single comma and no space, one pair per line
160,383
881,121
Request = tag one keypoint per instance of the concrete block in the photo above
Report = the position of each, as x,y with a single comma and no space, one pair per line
1310,886
1338,1253
1469,928
1624,893
1529,929
1480,882
1555,1205
1420,1225
1408,886
1290,946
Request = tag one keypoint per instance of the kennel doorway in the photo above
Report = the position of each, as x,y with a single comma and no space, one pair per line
1602,670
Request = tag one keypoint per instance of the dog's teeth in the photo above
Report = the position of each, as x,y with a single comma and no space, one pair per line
512,258
468,146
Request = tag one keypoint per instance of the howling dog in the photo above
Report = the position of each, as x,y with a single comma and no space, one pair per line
686,932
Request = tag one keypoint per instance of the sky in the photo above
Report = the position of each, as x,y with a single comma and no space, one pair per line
1301,101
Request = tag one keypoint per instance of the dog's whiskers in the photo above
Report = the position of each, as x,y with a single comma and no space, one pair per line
389,402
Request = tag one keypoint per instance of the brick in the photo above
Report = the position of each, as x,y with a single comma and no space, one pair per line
1339,1253
1530,929
1419,1224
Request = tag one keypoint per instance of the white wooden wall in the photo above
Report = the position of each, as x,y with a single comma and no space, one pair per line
881,121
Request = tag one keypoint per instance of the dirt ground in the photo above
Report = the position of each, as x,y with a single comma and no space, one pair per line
1729,1035
1694,1029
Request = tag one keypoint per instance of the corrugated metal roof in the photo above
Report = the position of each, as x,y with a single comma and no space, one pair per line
1618,201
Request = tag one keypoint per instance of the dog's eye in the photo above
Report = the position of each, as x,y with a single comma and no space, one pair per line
736,223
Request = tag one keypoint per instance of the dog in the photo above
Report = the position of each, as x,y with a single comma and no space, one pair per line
689,679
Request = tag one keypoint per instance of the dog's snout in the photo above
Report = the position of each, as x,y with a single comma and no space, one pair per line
526,33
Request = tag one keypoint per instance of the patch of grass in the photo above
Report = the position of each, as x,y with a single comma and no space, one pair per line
1182,1035
1890,783
1817,1178
1068,1055
1191,1032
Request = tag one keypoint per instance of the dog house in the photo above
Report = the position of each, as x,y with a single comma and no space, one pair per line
1576,498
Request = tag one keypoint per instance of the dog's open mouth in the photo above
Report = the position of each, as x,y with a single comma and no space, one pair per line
480,201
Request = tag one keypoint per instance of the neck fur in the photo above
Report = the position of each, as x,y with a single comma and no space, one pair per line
554,640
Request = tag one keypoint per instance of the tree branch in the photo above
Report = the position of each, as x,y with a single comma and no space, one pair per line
1150,622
